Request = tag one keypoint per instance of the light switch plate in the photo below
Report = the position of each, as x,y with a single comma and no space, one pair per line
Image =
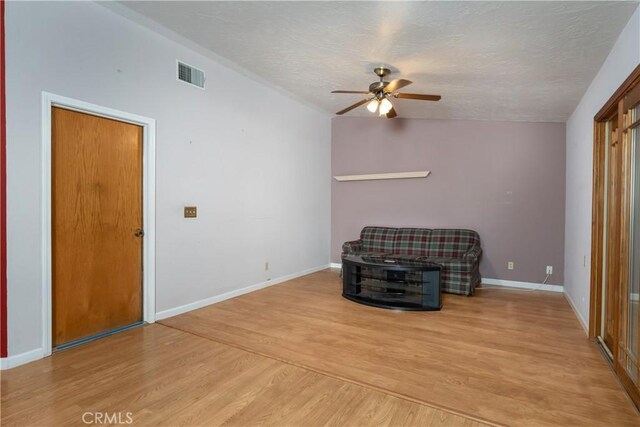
190,211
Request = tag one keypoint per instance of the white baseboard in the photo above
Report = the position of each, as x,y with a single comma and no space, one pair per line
21,359
231,294
335,265
581,320
523,285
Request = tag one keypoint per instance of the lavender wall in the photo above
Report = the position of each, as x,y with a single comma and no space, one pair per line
505,180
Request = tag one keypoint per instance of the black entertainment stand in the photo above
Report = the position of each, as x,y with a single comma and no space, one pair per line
389,282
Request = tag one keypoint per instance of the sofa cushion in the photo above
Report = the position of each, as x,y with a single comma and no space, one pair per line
378,239
412,241
451,243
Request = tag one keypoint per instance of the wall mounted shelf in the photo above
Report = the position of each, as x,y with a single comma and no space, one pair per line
374,176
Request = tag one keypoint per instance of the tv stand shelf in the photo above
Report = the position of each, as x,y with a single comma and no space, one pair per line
392,283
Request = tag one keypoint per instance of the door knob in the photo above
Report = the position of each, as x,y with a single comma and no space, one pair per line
139,232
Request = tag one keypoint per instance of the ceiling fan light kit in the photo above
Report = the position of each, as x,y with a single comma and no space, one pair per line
380,92
385,106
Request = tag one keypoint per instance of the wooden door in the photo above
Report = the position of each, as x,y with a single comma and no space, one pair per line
96,212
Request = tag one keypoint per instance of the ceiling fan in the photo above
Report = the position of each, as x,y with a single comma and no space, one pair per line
379,93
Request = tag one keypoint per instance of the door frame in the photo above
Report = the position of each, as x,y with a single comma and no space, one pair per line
50,100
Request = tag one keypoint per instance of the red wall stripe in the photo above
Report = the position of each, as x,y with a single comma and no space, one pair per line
3,191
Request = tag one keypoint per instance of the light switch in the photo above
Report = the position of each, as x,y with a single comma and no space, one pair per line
190,211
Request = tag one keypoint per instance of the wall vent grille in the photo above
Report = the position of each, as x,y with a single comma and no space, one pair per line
191,75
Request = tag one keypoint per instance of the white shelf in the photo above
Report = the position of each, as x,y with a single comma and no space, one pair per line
391,175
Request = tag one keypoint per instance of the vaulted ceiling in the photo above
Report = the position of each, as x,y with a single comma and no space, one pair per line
529,61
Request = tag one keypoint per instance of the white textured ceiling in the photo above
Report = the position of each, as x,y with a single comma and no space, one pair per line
528,61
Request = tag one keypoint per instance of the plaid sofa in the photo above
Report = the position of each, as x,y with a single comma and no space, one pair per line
456,251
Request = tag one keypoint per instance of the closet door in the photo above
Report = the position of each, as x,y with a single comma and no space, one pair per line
630,244
615,267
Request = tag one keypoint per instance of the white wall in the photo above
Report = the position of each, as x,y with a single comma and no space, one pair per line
256,163
623,58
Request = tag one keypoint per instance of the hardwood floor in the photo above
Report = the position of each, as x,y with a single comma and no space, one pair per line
298,354
162,376
505,356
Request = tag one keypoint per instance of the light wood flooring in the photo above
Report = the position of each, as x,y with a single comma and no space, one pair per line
506,356
165,377
298,354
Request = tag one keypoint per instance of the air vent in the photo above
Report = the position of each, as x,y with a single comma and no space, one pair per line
191,75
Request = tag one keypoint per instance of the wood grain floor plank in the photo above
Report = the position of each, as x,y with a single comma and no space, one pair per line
510,357
167,377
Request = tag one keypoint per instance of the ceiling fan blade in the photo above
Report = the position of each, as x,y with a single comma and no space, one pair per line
397,84
417,96
350,91
356,105
392,113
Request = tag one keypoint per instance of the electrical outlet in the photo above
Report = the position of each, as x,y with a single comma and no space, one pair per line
510,265
549,269
266,266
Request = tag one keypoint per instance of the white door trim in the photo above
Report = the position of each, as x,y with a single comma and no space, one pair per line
50,100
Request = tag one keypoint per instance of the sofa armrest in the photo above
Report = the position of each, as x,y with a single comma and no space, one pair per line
473,254
353,247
